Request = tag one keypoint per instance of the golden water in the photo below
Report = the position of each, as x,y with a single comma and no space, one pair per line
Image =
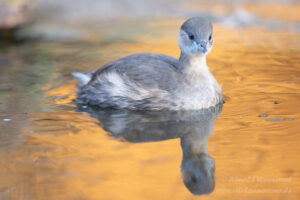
50,150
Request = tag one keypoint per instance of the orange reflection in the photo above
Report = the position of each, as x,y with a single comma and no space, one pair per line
67,155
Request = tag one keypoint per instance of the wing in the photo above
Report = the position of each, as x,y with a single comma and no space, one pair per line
147,70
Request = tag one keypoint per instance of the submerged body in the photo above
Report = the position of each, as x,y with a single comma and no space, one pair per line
154,81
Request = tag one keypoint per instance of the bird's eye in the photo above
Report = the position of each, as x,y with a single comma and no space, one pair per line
209,37
191,37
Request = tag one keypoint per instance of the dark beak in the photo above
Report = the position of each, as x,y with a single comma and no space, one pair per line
202,46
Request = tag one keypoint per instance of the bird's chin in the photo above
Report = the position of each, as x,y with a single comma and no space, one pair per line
196,52
199,53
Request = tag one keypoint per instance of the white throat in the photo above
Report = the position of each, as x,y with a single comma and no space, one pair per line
198,61
196,65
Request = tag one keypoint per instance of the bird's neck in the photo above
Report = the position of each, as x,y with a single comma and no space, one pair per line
194,144
193,64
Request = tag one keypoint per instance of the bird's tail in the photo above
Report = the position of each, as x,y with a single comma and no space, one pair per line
83,78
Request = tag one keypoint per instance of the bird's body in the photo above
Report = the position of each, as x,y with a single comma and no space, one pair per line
151,82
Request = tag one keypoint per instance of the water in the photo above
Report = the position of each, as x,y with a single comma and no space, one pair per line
51,149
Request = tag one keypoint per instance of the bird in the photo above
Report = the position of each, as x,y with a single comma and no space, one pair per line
155,81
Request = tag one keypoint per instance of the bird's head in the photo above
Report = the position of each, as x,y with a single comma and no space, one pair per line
195,36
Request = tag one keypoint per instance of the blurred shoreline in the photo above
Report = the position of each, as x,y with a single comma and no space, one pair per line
63,20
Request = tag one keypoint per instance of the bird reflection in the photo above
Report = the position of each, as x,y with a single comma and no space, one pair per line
192,127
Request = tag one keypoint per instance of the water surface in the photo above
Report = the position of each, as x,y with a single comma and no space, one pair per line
51,149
